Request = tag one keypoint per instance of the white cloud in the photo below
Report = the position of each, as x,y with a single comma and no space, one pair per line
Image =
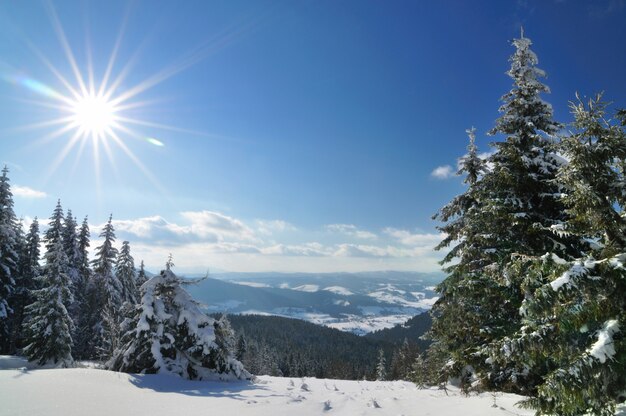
202,226
358,250
304,250
26,192
269,227
442,172
409,239
154,229
230,248
350,230
213,224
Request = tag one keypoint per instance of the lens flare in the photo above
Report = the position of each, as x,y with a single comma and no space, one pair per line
155,142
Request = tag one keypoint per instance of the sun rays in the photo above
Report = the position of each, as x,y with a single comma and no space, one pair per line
101,113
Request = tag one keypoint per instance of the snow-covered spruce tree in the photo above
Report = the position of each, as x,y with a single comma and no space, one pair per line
225,341
84,236
574,323
242,347
381,367
70,245
54,233
125,274
28,271
105,295
16,299
455,328
129,295
518,211
141,276
48,325
168,333
8,257
103,265
402,361
85,299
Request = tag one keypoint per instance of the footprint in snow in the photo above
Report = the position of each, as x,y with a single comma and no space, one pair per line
327,406
374,404
305,387
298,398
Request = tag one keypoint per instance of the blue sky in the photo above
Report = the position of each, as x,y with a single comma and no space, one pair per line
301,135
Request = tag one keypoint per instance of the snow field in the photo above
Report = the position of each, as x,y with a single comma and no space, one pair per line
87,391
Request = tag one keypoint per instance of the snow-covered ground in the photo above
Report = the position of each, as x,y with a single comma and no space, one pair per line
373,318
86,391
253,284
307,288
339,290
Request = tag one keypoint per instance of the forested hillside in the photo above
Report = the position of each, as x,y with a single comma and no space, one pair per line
295,348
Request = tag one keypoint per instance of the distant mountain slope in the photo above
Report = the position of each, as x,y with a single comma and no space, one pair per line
352,302
220,295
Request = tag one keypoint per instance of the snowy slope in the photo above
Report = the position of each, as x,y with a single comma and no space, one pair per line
83,391
354,302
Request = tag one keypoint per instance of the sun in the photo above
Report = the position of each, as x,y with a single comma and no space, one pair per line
94,115
97,109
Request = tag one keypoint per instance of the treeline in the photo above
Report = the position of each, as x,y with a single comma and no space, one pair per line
72,308
69,298
534,301
289,347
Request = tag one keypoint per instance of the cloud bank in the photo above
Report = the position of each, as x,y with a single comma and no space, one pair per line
201,240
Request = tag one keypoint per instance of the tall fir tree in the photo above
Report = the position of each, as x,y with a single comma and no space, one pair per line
381,366
69,237
142,278
9,257
126,275
16,298
459,290
54,233
48,325
70,245
106,293
85,297
104,263
225,341
574,322
517,211
84,236
241,348
26,283
402,361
